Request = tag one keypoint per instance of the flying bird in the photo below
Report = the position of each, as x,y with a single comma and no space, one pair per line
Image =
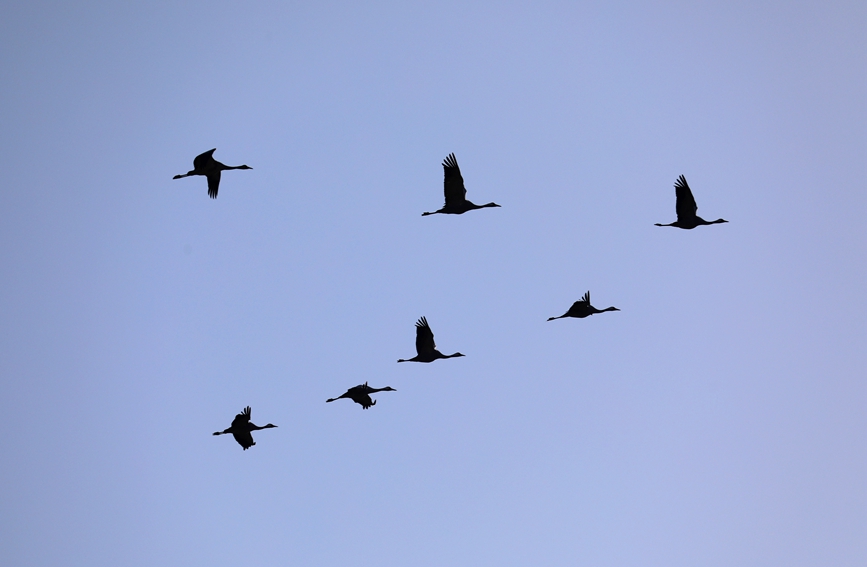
582,308
456,194
206,165
241,428
361,395
425,345
686,208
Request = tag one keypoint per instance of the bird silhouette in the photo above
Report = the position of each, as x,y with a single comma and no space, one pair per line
361,395
456,194
425,345
241,428
582,308
206,165
686,208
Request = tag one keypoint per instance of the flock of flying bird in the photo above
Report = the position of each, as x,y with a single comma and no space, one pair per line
456,203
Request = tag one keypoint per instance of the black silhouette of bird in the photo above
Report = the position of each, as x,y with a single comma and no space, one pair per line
582,308
241,428
361,395
206,165
425,345
686,208
456,194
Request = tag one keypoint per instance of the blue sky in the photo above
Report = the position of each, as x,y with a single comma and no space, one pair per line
717,419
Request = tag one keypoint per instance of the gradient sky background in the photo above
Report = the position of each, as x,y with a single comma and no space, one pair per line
718,419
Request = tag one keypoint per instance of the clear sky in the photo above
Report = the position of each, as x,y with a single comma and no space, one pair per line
718,419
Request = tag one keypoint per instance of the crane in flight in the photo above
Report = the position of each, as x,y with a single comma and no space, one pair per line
456,195
242,427
206,165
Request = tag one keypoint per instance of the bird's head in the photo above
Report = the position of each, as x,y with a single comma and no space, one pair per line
244,167
389,389
268,426
456,354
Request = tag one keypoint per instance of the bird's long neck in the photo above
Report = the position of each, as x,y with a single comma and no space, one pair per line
374,390
470,205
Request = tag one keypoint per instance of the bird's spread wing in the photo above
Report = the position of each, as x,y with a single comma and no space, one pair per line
213,184
686,207
424,340
244,439
453,183
242,418
202,159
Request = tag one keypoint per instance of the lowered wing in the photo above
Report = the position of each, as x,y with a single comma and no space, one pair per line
213,184
244,439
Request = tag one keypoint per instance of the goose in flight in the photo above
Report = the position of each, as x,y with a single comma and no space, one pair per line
686,208
241,428
456,194
425,345
206,165
582,308
361,395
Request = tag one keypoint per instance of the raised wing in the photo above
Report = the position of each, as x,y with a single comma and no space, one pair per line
686,207
453,183
424,339
242,419
202,160
213,184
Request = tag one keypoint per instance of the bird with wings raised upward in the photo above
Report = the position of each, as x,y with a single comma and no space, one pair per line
455,192
686,208
425,345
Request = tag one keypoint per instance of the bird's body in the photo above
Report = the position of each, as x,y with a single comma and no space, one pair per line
425,345
582,308
686,208
206,165
455,193
361,395
242,428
